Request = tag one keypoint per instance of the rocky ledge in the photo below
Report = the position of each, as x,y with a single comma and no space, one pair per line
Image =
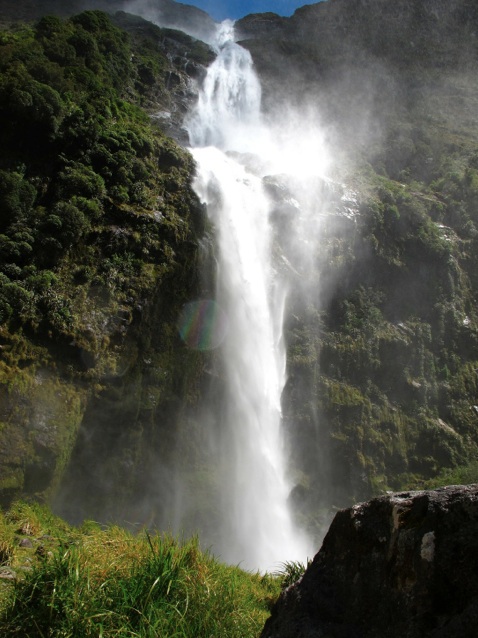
402,565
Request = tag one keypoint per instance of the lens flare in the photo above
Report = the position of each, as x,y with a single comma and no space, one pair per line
202,325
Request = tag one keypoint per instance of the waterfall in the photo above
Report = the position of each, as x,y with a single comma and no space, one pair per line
230,142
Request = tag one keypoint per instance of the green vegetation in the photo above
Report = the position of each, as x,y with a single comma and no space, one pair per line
99,250
463,475
91,195
383,357
290,572
99,231
383,373
94,581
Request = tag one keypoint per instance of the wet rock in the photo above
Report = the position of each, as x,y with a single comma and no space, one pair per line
7,574
26,543
399,565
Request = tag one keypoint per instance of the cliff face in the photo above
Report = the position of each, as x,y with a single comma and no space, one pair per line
100,231
379,52
400,565
382,359
408,33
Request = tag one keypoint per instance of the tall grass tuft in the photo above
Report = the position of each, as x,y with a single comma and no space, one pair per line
7,543
108,583
290,572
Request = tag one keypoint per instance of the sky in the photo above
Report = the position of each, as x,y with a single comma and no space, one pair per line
222,9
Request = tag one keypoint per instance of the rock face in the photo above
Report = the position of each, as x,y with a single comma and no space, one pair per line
400,565
110,343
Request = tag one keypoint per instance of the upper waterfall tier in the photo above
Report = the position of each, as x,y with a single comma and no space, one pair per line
230,98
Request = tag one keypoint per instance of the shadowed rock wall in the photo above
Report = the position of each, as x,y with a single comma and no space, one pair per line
399,565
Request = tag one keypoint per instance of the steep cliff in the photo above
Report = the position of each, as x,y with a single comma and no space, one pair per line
100,232
382,358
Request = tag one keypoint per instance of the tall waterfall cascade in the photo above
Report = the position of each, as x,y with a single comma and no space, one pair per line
234,149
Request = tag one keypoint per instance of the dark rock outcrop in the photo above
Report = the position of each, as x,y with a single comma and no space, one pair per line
400,565
261,25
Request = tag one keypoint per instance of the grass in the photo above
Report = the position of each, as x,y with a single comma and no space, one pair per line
106,582
463,475
291,571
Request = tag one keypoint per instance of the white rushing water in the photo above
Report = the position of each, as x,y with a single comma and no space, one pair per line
229,142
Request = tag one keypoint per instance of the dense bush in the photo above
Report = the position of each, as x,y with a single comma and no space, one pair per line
78,155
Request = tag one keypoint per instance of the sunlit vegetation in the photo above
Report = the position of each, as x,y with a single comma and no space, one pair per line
84,178
290,572
104,581
99,232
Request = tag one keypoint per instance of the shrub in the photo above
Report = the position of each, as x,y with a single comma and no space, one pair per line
16,197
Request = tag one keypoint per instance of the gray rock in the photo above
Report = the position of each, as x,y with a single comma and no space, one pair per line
7,574
402,565
25,542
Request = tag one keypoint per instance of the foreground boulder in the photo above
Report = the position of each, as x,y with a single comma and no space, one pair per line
403,565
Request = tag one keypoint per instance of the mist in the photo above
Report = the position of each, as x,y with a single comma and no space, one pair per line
315,343
172,15
243,161
269,174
